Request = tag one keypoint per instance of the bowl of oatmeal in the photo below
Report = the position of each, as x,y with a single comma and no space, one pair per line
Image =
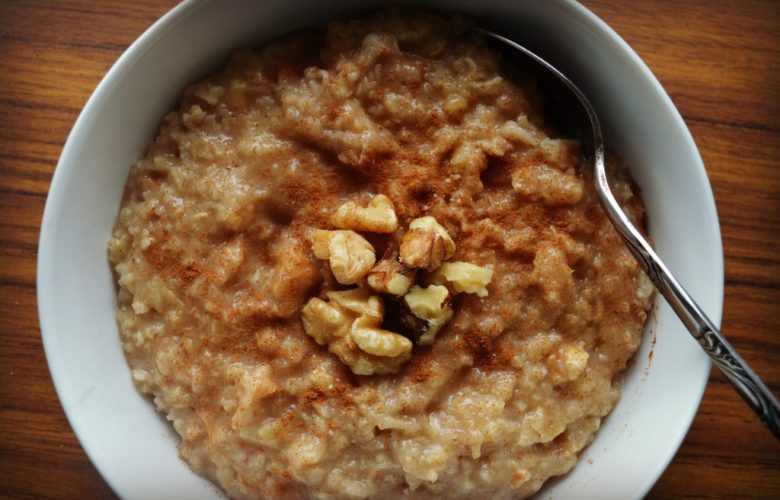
356,260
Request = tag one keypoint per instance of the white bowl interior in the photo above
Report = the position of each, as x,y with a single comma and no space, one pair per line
134,448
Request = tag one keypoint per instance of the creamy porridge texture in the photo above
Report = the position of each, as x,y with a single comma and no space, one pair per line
225,239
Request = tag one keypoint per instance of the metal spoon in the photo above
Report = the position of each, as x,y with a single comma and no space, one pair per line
725,357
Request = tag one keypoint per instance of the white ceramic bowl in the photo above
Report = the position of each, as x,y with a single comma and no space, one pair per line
135,449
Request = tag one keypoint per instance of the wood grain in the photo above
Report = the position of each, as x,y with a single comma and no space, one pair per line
718,60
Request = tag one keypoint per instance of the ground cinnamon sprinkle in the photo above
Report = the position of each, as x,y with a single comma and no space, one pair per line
341,393
497,358
169,263
311,396
420,368
479,345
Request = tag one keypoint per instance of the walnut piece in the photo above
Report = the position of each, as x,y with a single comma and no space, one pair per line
378,217
431,304
374,340
349,323
323,322
462,277
358,301
426,244
391,277
350,256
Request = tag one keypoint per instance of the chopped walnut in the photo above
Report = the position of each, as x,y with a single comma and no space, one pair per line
363,363
349,323
359,301
431,304
426,244
323,322
391,277
374,340
462,277
378,217
350,256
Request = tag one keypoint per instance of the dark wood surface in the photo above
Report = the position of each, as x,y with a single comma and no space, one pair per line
719,61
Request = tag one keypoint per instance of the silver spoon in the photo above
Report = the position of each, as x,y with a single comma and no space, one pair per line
725,357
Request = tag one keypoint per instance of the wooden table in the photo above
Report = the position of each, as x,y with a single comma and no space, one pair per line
719,60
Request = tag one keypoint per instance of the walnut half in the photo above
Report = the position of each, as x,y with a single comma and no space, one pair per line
390,277
377,341
378,217
350,256
349,323
462,277
426,245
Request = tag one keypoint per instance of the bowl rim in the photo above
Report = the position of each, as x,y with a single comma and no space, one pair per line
56,198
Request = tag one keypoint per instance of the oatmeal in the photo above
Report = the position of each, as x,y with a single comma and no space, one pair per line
359,264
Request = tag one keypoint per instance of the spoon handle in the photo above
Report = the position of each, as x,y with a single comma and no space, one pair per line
723,355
